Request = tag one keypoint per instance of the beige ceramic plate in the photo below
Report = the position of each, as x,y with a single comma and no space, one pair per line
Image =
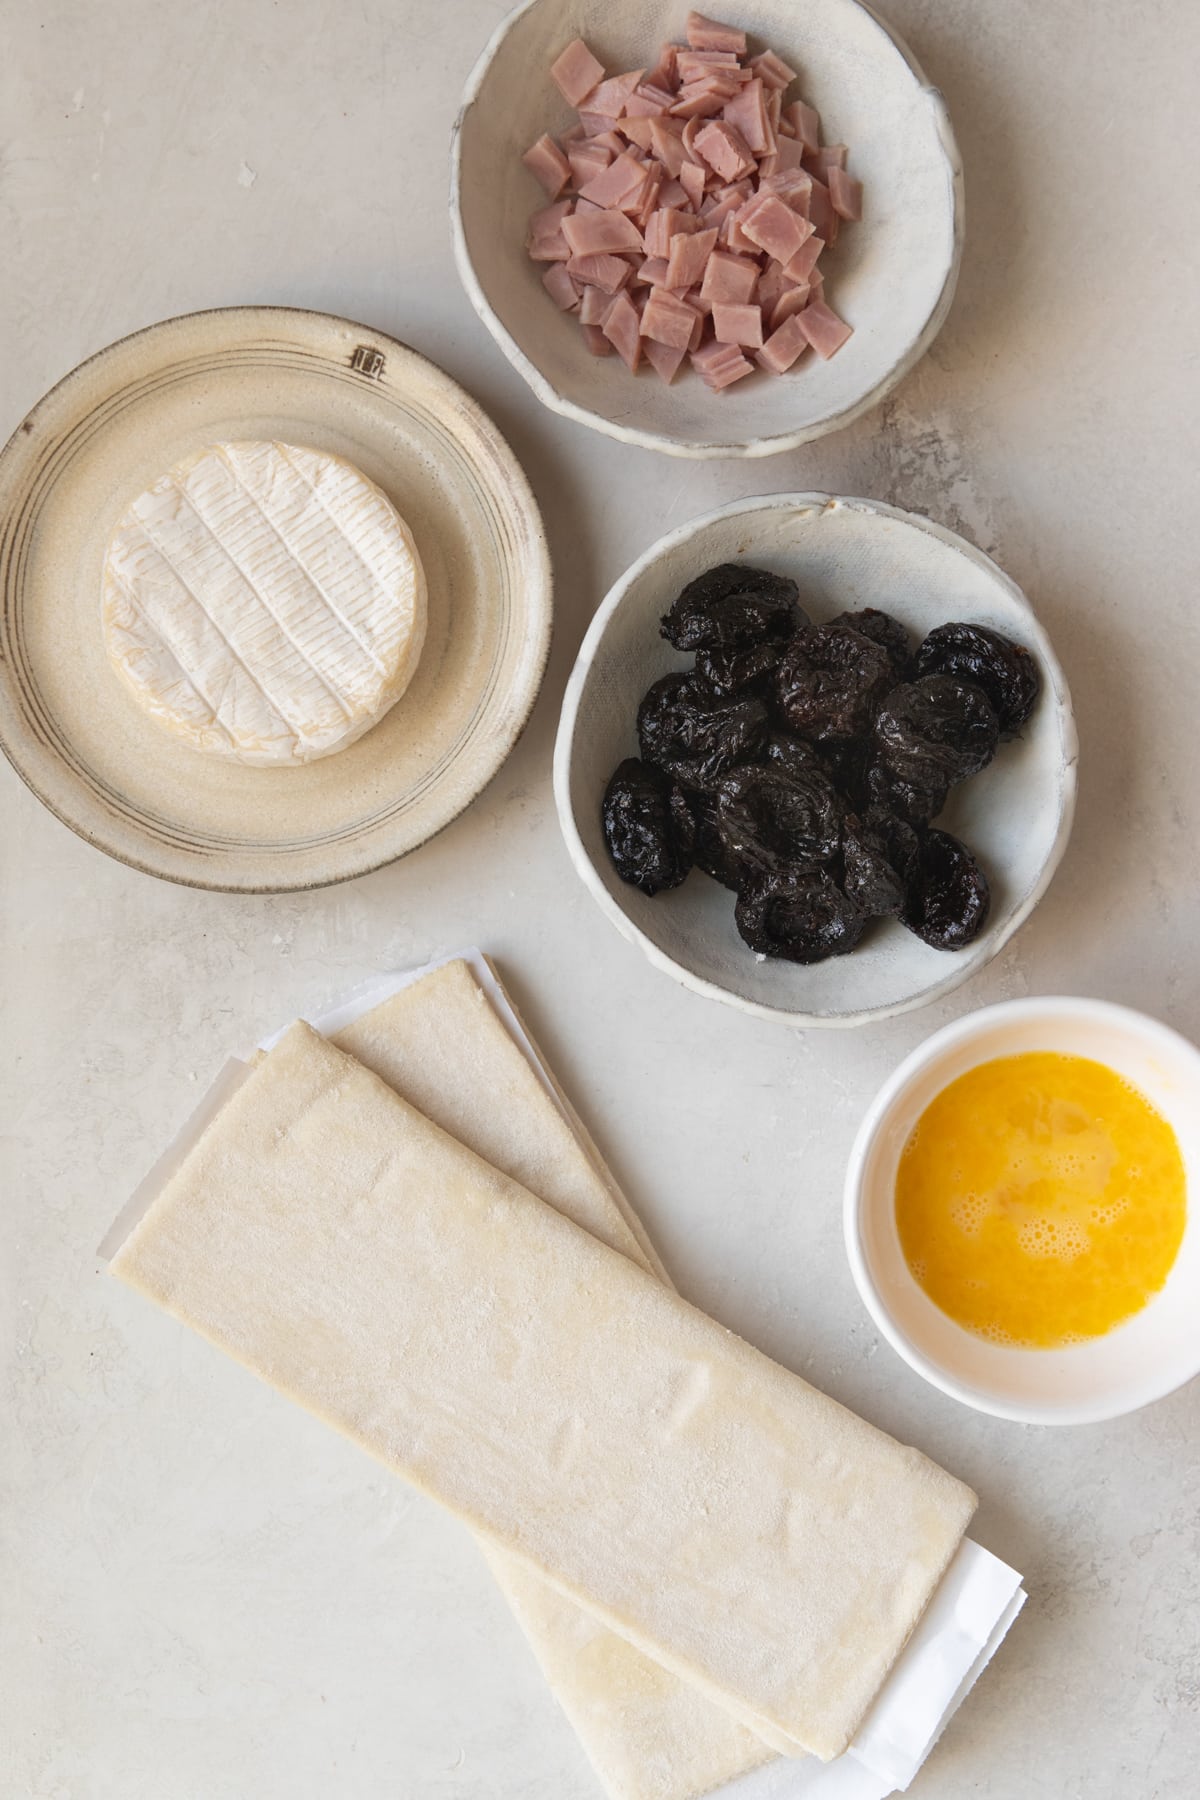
102,435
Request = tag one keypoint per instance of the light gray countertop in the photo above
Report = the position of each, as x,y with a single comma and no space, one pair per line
206,1595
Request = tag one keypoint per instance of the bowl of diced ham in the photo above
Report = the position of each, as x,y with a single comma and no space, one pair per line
706,236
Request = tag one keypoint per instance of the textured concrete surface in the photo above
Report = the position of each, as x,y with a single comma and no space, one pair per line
205,1595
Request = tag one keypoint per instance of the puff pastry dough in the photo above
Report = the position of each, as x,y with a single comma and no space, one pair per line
744,1530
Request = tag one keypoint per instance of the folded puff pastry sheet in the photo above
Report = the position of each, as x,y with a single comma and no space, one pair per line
744,1530
442,1046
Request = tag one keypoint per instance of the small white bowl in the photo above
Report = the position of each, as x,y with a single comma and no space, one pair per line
843,554
891,277
1151,1354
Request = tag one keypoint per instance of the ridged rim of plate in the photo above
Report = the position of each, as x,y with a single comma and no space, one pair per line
549,395
1056,687
25,747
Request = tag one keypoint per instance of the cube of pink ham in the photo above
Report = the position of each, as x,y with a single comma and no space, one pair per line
545,160
806,123
666,75
593,306
692,178
635,130
668,319
652,273
736,324
789,153
664,224
729,279
575,72
648,102
602,233
800,267
845,194
610,97
597,343
667,145
826,157
664,359
771,224
689,253
820,211
603,271
710,34
561,289
783,347
747,113
771,70
791,300
621,182
621,328
725,149
823,329
721,364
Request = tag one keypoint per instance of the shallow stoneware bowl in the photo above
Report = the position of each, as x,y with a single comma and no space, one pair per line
73,730
1016,815
891,277
1152,1353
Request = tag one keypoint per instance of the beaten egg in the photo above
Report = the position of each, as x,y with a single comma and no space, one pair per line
1041,1200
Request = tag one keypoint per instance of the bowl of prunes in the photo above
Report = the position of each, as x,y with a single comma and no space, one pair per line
816,758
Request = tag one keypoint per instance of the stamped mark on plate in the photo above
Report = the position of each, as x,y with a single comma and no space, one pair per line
367,360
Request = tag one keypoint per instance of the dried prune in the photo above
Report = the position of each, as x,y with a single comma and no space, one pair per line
830,682
916,796
936,723
797,917
880,858
770,817
885,631
732,606
1004,670
795,753
648,827
713,854
948,902
729,671
696,735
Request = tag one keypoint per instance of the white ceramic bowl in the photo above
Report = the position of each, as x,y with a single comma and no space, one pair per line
892,276
1151,1354
1016,815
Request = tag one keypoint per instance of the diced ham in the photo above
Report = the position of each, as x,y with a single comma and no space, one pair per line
772,71
747,113
545,160
721,364
783,346
806,123
561,289
597,234
621,328
770,223
576,72
845,194
729,279
823,329
737,324
691,179
606,272
725,149
710,34
697,208
587,160
687,258
791,300
667,145
668,319
664,359
610,97
801,266
622,180
593,306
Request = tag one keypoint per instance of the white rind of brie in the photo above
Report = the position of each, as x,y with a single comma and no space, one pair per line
264,602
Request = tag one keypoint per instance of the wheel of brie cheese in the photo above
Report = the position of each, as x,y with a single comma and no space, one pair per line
264,602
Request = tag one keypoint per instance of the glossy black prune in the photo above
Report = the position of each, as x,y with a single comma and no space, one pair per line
936,723
732,606
729,671
794,754
797,917
830,682
713,854
917,795
696,735
880,860
949,900
1005,671
885,631
770,818
648,827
